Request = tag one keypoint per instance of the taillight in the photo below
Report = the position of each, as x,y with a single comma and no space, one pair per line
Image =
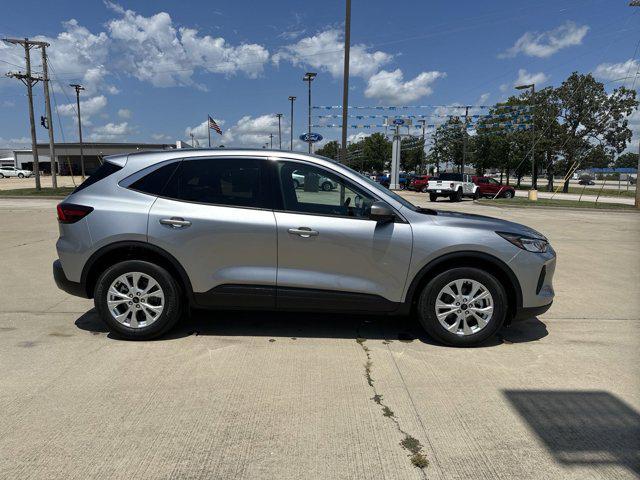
70,213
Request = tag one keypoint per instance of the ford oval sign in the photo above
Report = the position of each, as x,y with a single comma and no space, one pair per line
311,137
398,121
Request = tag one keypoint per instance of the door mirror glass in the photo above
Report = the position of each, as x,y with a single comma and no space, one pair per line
381,212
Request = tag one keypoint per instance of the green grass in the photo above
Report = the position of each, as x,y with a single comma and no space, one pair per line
547,202
32,192
591,191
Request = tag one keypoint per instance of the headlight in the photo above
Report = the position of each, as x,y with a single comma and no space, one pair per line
537,245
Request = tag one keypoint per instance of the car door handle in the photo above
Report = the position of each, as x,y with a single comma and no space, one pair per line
304,232
175,222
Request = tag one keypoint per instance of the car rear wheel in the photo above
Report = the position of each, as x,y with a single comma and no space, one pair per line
433,197
424,189
326,186
137,300
462,306
1,175
508,194
21,175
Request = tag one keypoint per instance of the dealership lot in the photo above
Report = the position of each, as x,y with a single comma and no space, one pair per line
265,395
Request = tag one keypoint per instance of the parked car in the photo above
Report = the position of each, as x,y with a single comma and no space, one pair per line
452,185
323,183
419,183
490,187
152,234
403,180
14,172
586,181
633,180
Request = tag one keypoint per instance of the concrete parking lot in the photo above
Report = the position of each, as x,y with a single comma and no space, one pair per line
265,395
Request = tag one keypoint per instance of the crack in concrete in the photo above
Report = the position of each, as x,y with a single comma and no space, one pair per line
408,442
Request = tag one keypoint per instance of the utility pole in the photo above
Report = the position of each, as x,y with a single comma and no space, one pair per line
279,115
29,81
271,141
193,142
345,85
291,99
308,77
533,193
636,3
78,88
464,139
47,102
423,122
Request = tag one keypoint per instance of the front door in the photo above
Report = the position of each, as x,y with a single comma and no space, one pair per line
214,216
330,254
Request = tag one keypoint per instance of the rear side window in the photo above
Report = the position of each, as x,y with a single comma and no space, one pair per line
221,181
155,181
103,171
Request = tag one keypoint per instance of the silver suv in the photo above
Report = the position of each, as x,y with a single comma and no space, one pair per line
151,234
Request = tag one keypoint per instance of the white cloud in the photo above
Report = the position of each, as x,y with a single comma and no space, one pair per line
15,142
527,78
389,86
617,71
111,131
88,108
200,132
247,132
124,113
545,44
325,52
152,49
161,136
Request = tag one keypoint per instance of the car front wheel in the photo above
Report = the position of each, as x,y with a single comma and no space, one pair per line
137,300
508,194
462,307
21,175
433,197
326,186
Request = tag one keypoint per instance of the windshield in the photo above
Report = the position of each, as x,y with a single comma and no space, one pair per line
450,176
380,188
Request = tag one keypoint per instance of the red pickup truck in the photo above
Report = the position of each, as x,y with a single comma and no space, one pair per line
419,183
490,187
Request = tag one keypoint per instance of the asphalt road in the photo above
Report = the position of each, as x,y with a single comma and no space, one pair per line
263,395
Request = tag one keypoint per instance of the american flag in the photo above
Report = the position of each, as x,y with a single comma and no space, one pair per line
214,125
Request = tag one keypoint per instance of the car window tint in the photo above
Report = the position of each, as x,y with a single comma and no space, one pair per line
154,181
309,189
220,181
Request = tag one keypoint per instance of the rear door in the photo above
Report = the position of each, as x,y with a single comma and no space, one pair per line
214,216
330,254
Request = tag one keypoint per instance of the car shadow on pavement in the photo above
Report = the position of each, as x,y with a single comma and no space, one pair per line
582,427
313,325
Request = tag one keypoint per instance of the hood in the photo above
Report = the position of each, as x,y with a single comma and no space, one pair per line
469,220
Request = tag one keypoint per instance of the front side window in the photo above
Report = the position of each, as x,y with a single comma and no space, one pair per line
309,189
493,181
219,181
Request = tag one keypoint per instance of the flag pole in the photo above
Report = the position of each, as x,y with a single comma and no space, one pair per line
209,131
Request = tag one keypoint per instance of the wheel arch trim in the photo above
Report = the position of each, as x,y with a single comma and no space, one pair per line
452,258
132,244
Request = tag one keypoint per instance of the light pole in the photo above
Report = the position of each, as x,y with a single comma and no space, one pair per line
78,88
636,3
345,86
308,77
279,115
422,122
533,193
291,99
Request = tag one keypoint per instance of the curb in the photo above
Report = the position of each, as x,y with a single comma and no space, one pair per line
553,207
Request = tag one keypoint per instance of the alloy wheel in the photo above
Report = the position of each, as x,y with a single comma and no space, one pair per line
464,307
135,300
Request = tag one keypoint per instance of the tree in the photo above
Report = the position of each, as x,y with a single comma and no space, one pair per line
376,150
448,143
627,160
329,150
590,116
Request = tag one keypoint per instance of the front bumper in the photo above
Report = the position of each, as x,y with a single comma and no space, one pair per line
66,285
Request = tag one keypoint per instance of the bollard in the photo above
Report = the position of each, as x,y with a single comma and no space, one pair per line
533,195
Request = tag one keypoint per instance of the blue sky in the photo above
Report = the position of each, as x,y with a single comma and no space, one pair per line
154,70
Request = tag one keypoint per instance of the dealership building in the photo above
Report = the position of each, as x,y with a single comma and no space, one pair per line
68,155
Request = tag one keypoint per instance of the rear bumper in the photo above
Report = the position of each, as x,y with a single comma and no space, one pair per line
530,312
66,285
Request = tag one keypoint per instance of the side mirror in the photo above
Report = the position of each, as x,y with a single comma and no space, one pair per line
381,212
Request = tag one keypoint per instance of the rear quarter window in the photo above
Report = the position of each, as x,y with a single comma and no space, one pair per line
103,171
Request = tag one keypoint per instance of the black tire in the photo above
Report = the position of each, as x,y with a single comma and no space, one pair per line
296,184
1,175
508,194
458,195
327,186
172,295
433,197
21,175
424,189
476,195
427,310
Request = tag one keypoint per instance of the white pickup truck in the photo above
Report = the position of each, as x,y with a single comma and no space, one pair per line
452,185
